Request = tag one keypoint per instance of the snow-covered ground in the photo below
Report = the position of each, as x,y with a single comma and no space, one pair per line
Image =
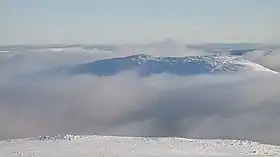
109,146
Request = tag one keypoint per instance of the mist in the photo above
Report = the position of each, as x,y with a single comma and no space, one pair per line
269,60
227,106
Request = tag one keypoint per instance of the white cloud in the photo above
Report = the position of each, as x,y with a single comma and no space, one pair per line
237,105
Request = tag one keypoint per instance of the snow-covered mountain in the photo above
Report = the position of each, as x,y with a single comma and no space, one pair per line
109,146
147,65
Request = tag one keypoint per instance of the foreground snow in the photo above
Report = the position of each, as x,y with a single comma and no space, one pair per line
109,146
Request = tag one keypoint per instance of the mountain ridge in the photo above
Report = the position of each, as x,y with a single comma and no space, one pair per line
146,65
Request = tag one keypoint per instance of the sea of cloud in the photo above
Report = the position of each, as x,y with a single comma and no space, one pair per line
230,106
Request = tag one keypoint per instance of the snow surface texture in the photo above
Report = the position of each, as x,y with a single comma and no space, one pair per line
190,65
109,146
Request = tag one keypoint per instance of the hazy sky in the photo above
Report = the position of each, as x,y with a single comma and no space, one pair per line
138,21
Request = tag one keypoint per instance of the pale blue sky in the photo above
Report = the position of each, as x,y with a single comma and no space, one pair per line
138,21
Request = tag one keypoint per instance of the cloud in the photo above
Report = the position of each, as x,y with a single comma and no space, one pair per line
193,107
243,108
269,60
232,106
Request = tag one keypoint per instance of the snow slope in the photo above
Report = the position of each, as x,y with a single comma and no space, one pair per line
109,146
190,65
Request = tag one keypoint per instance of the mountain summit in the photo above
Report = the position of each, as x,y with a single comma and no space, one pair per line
146,65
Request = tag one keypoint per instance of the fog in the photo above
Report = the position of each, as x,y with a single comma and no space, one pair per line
227,106
269,60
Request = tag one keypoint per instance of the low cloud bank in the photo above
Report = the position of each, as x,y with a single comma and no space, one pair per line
231,106
242,106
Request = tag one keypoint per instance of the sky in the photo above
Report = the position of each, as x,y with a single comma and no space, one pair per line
138,21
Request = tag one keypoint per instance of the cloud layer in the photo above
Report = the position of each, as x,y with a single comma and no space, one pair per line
232,106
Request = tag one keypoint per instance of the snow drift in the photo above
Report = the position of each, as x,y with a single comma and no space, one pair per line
110,146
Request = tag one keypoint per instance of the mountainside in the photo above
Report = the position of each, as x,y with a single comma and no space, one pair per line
147,65
109,146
